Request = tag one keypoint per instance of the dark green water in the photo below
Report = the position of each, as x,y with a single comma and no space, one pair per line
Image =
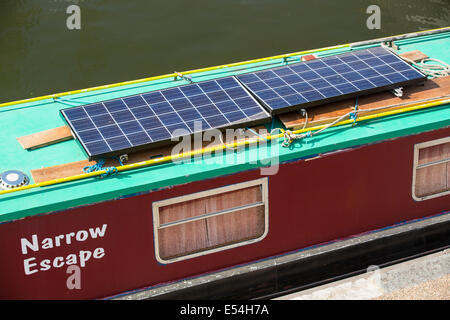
124,40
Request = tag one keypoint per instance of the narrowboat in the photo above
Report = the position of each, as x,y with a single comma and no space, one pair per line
121,189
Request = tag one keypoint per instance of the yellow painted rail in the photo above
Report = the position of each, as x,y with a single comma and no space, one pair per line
410,107
172,75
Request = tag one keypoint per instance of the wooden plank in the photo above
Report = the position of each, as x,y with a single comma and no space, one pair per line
45,138
74,168
414,55
329,112
60,171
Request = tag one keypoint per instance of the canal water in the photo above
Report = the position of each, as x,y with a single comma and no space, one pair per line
124,40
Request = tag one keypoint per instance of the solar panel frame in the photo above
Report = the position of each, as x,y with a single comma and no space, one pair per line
329,79
101,126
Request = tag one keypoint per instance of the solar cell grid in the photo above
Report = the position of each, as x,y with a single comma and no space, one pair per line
329,79
149,119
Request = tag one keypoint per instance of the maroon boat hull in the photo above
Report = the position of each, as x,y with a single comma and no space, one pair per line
311,201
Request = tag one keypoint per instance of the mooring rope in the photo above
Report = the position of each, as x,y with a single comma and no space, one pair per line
436,70
289,136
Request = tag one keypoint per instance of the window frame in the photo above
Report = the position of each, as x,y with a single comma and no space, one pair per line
416,166
263,182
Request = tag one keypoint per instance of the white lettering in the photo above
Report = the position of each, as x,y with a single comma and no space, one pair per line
68,236
56,264
47,243
45,265
32,266
27,265
57,240
99,253
97,232
82,235
27,244
71,259
84,257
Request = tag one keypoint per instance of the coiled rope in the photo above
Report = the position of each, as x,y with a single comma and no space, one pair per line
434,70
99,166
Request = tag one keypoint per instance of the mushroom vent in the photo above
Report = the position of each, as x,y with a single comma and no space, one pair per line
13,179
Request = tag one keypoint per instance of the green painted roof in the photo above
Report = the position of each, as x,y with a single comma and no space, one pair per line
26,118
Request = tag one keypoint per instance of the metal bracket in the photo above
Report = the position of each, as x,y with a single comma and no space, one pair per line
302,112
123,158
182,76
390,44
398,92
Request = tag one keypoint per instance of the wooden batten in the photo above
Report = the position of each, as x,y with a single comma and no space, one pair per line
45,138
414,55
60,171
330,112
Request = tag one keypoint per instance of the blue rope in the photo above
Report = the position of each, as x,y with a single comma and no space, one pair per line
99,166
353,115
118,159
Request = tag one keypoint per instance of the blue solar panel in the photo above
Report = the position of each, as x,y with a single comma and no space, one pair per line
150,119
330,79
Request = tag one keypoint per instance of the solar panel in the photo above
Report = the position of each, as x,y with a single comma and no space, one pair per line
330,79
151,119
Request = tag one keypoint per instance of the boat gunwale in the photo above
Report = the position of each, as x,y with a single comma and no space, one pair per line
188,72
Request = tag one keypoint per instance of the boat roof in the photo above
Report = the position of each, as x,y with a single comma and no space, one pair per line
33,115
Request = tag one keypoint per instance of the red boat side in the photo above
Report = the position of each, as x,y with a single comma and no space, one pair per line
310,201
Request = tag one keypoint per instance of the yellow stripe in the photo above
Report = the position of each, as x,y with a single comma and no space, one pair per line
411,107
107,86
418,32
171,75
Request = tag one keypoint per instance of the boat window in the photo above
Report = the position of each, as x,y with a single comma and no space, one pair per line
431,177
210,221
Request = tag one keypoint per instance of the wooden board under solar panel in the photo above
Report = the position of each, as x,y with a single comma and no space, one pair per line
152,119
329,79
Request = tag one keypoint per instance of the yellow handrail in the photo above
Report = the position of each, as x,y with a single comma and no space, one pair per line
118,84
170,75
411,107
55,95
